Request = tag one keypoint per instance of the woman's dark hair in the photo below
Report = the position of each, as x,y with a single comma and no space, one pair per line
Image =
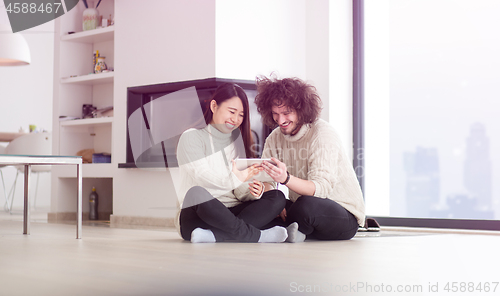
223,93
290,92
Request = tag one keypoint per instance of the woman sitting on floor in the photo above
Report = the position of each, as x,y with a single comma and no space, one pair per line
220,202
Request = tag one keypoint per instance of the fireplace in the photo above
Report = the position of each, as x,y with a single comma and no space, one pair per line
152,109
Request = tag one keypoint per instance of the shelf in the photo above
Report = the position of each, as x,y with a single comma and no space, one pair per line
87,122
91,36
89,170
91,79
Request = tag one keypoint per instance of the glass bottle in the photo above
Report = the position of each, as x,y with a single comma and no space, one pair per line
93,200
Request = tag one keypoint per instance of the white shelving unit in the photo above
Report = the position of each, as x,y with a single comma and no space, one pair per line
93,36
90,79
74,86
88,122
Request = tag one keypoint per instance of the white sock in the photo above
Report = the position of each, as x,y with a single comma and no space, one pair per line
200,235
277,234
294,235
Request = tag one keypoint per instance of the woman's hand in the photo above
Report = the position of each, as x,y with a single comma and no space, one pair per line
282,215
256,188
247,173
277,172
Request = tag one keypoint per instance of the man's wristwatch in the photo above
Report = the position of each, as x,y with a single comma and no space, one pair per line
287,178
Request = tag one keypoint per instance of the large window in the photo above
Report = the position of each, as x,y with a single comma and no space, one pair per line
432,108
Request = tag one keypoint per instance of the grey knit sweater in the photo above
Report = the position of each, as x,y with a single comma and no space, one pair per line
315,153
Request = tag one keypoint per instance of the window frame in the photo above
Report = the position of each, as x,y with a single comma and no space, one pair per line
358,140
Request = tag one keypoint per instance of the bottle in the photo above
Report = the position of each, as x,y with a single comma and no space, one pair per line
95,60
93,199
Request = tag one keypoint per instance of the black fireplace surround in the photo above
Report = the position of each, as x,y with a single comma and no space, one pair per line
156,155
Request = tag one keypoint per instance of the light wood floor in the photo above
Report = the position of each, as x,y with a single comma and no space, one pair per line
119,261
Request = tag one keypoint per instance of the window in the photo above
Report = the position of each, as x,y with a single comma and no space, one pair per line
431,109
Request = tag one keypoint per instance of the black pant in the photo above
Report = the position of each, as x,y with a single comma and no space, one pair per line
319,218
240,223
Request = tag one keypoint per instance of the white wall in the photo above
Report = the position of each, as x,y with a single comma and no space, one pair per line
340,108
26,98
156,41
318,50
259,37
285,37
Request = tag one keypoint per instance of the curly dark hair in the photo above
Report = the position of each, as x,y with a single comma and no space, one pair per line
290,92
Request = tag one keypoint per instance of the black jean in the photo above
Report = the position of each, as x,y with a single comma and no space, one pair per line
239,223
319,218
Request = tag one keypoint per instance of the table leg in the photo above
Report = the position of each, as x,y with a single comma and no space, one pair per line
26,213
79,202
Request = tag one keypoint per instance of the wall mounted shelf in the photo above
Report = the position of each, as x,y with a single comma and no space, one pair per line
92,36
91,79
87,122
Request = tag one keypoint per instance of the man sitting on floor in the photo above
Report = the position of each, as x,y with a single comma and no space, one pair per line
326,201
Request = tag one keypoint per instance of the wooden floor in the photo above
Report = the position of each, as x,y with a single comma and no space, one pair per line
119,261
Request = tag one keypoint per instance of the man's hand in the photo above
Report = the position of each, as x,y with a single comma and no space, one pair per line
277,172
282,215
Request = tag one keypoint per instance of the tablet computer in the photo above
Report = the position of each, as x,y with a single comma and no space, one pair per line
243,163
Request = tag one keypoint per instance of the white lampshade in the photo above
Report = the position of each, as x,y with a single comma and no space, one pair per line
14,50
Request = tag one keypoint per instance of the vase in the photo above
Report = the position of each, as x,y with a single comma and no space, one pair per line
90,19
100,65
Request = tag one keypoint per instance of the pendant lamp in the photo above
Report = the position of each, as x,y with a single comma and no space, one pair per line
14,50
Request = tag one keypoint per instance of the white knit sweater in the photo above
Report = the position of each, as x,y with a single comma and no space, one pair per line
204,157
315,153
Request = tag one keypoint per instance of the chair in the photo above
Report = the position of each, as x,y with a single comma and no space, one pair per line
6,204
30,144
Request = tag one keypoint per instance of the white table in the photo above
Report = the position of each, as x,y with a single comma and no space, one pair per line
28,161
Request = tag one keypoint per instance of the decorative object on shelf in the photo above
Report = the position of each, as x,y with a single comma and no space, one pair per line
104,112
86,155
100,65
88,111
101,158
91,19
96,54
106,22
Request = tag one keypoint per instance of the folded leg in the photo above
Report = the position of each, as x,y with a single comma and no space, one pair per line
322,218
207,212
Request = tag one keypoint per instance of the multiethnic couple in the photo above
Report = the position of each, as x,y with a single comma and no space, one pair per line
304,153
